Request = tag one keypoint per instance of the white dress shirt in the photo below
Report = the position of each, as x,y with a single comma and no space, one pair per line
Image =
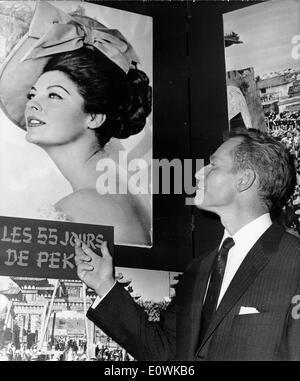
244,239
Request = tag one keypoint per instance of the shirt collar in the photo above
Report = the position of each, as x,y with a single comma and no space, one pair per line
251,232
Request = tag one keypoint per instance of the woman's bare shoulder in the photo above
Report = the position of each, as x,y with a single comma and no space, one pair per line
91,200
88,206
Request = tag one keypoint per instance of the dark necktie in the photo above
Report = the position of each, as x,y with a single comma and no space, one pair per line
216,278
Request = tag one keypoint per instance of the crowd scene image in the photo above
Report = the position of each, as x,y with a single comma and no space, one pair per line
285,127
66,348
63,350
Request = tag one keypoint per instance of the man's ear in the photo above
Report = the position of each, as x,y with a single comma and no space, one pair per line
96,120
246,179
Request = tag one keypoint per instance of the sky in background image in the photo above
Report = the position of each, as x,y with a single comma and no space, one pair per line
266,30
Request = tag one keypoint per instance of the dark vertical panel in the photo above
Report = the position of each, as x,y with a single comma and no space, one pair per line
208,99
208,102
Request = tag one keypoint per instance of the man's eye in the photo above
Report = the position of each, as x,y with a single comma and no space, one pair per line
54,96
30,95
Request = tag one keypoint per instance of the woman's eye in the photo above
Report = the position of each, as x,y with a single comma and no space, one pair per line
30,95
54,96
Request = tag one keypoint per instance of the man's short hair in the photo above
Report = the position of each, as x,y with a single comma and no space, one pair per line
270,160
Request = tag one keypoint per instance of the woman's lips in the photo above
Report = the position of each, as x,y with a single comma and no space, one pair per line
34,122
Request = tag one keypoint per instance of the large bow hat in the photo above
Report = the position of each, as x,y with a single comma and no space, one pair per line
53,31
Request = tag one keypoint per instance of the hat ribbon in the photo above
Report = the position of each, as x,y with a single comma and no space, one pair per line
60,38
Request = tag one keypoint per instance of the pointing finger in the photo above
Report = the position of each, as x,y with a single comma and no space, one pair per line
80,254
89,251
104,249
78,250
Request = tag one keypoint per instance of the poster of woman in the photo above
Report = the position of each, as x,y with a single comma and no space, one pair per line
76,110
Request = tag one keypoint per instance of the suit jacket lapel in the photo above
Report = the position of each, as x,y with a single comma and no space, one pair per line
199,293
254,262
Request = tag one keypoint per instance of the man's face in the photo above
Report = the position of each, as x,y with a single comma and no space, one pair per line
217,182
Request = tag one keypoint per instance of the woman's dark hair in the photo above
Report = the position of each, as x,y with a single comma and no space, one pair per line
106,89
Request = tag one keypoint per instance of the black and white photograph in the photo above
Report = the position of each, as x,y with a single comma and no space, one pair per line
149,184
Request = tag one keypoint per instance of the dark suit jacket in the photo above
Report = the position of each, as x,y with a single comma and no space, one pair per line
267,280
126,322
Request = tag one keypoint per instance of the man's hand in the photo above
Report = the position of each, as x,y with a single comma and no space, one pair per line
94,270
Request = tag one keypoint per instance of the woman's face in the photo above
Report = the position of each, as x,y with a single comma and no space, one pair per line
54,112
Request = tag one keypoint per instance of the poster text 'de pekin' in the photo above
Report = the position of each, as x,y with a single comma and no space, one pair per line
45,249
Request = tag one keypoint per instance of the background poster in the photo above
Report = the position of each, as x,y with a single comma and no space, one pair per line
262,58
262,54
31,184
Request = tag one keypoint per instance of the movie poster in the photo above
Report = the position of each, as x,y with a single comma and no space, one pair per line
59,174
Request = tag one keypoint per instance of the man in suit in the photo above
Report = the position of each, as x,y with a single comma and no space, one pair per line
236,302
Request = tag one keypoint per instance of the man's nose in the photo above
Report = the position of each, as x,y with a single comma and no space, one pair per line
199,175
